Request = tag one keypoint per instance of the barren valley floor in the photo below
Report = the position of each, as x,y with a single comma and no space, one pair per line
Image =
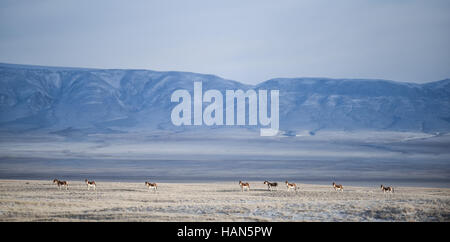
40,200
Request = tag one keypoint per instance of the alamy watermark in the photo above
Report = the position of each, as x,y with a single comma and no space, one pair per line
213,113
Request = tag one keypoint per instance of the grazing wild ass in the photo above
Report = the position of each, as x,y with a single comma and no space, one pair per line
291,186
90,184
338,187
61,183
270,185
153,186
244,185
387,189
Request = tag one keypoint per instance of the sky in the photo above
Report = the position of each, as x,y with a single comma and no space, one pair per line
247,41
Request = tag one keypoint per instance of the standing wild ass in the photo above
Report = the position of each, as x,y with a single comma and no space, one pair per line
90,184
61,183
338,187
244,185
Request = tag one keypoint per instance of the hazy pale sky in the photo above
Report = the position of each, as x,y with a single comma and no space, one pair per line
246,41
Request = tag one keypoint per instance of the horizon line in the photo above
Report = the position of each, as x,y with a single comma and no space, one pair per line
37,66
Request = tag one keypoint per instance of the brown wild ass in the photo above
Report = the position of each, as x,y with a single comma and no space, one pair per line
338,187
90,184
291,186
244,185
270,185
153,186
387,189
61,183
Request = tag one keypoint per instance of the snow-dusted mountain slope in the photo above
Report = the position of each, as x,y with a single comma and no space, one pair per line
60,99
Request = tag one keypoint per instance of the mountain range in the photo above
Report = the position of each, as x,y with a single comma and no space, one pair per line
59,100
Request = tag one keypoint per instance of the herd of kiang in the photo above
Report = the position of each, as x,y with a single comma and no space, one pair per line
293,186
65,184
243,185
